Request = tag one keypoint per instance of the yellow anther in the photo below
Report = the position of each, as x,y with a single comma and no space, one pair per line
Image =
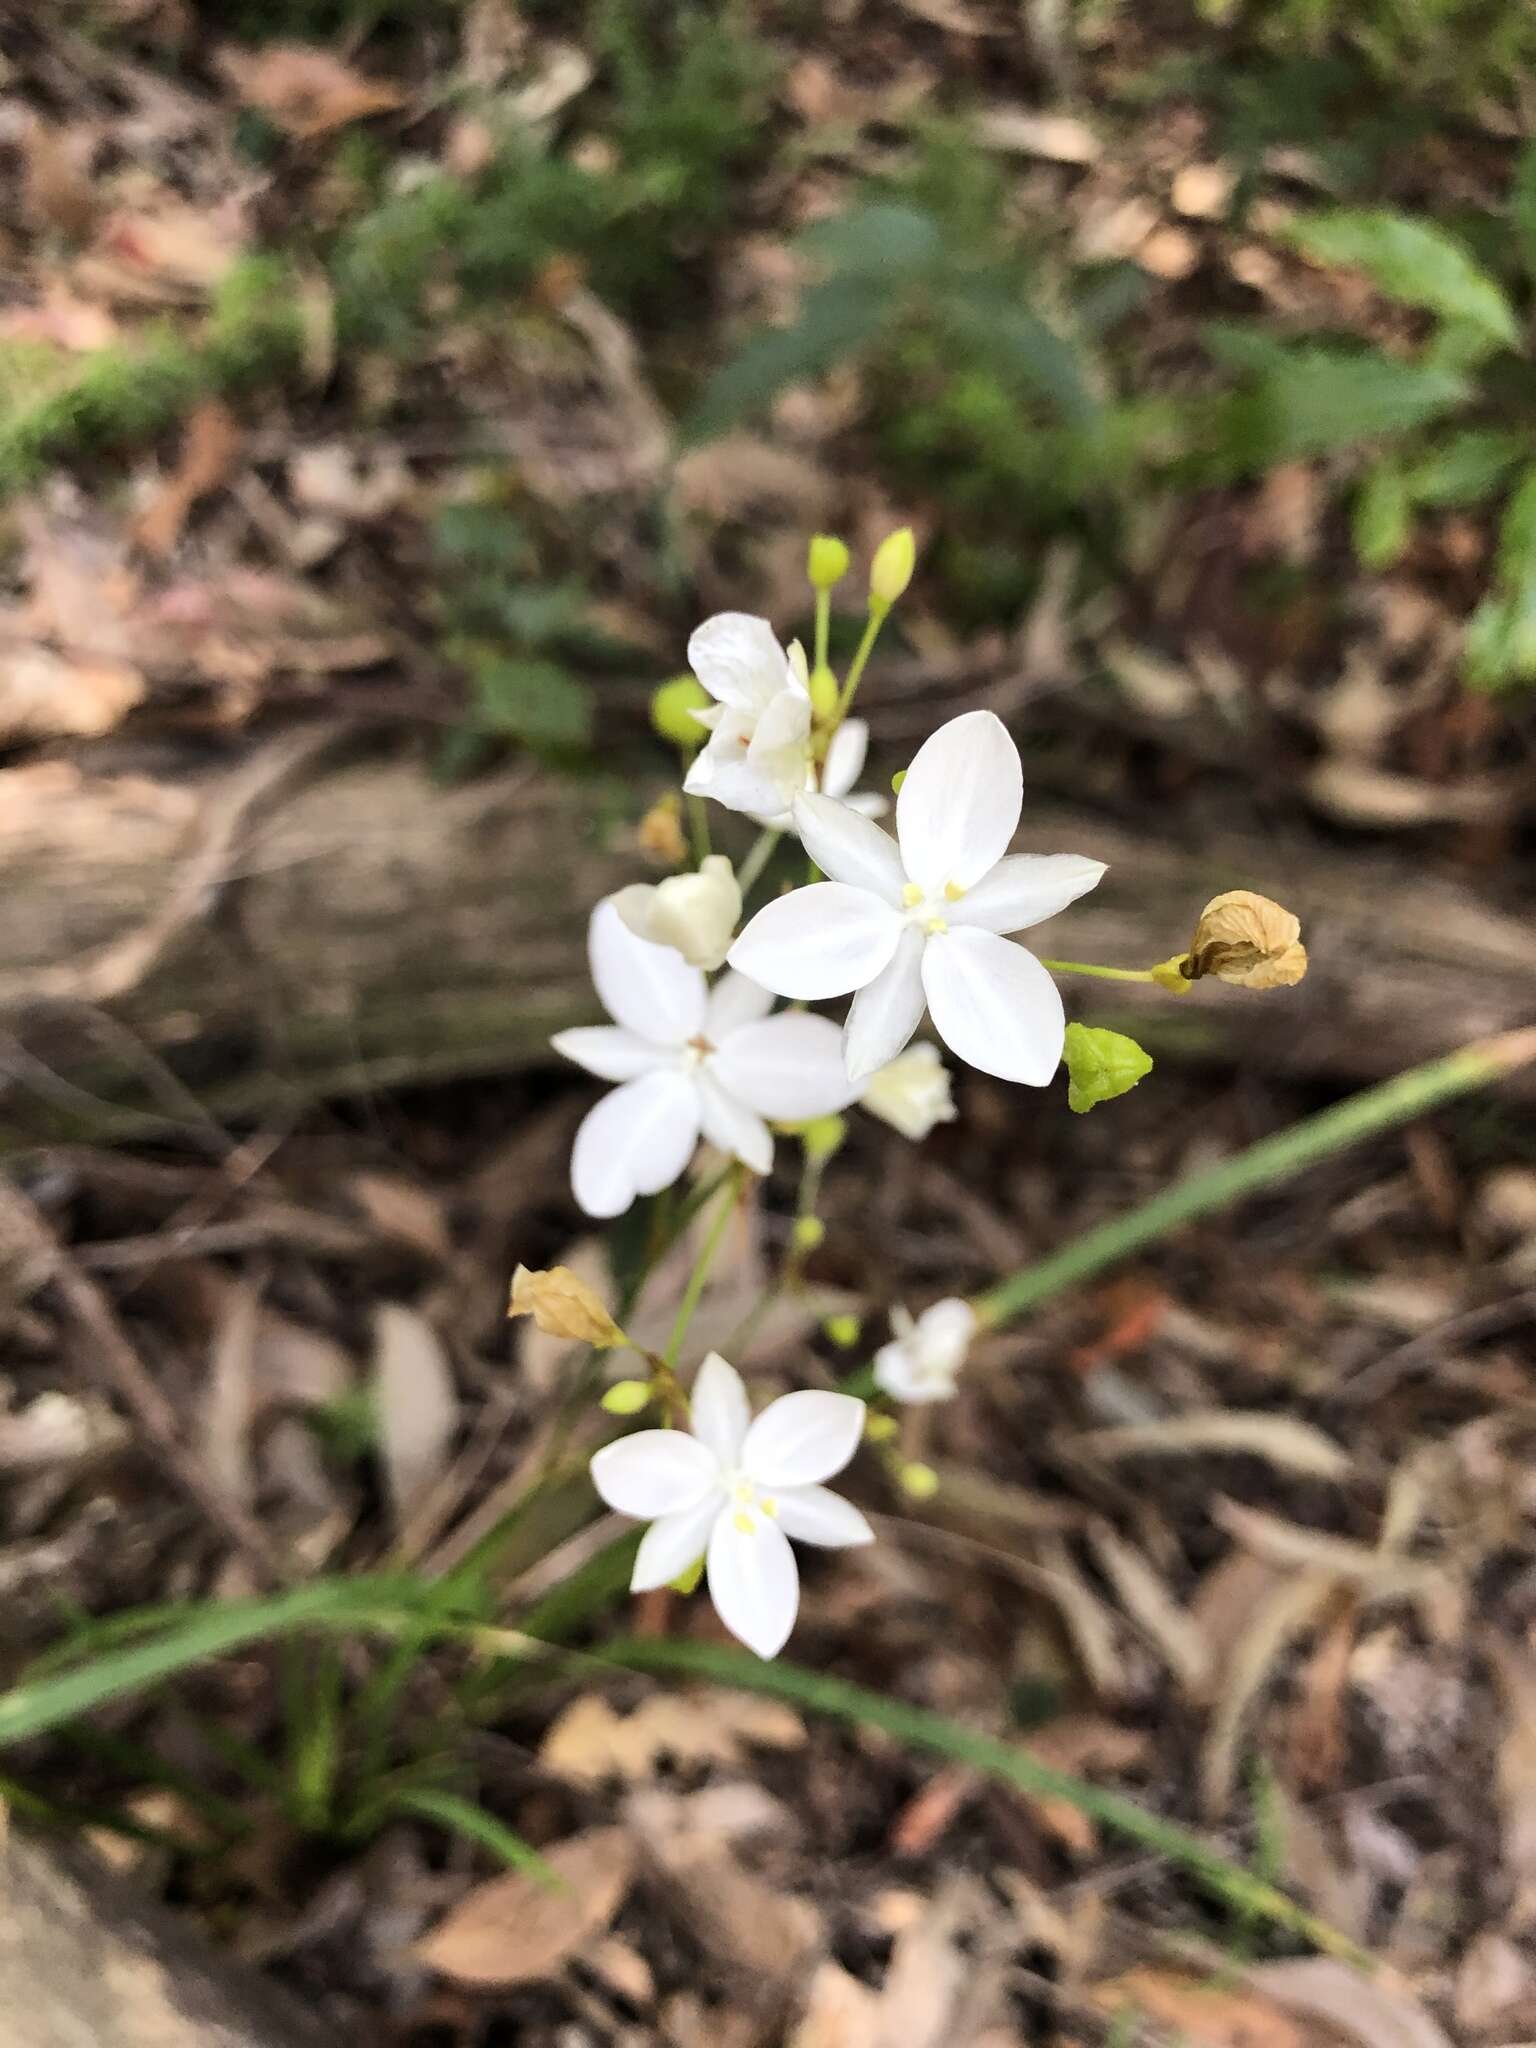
769,1508
935,926
953,891
911,894
744,1523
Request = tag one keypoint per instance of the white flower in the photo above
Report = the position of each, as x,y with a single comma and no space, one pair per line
736,1489
696,914
921,1363
759,756
689,1059
919,919
911,1092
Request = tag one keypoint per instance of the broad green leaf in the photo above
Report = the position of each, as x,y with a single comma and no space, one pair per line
1517,535
1465,468
1312,399
989,324
1383,517
838,319
1413,261
1101,1064
531,700
884,242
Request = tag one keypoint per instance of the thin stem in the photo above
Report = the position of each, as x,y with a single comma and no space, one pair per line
1103,973
856,667
700,1273
698,828
823,626
757,859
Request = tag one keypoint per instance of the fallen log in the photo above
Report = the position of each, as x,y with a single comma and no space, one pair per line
84,1958
323,918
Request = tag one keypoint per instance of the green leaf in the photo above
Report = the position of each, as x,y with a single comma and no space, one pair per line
531,700
837,319
1517,534
1101,1064
1383,518
1522,206
1413,261
1465,468
881,242
990,323
1312,398
463,1817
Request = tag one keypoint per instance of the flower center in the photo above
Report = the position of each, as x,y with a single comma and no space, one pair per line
748,1502
696,1051
926,908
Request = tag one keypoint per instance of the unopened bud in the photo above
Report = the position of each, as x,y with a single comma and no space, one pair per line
897,780
672,709
821,1136
843,1331
826,561
918,1482
563,1305
809,1232
891,570
824,691
880,1428
627,1397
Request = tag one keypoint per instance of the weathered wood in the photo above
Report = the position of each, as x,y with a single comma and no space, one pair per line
85,1962
312,922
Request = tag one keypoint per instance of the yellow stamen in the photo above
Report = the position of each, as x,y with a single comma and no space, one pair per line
953,891
744,1523
770,1508
911,895
935,926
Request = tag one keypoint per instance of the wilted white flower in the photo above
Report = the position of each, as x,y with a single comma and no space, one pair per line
759,756
922,1361
911,1092
695,913
734,1490
689,1060
920,919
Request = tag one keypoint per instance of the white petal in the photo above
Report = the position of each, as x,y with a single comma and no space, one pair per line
802,1438
781,746
1026,889
719,1412
634,1142
819,941
611,1054
673,1543
810,1514
732,783
945,1330
734,1001
786,1067
753,1581
901,1374
845,757
994,1005
655,1472
648,989
886,1011
959,805
732,1127
738,660
850,848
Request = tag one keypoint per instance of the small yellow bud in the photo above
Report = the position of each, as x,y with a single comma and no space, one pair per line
897,780
822,1136
1168,974
627,1397
672,709
563,1305
809,1232
826,561
822,685
1247,940
891,570
918,1482
880,1428
843,1331
660,833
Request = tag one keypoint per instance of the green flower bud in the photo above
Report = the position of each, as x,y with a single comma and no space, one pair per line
879,1428
824,691
627,1397
918,1482
821,1136
891,570
897,780
843,1331
672,710
826,561
810,1232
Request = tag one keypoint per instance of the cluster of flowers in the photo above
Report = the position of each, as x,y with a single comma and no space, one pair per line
919,920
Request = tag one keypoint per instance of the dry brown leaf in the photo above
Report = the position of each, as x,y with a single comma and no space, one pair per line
305,91
1247,940
1058,138
208,451
334,479
941,1982
1148,1599
563,1305
416,1404
764,1937
1290,1544
48,695
1495,1984
1282,1440
840,2012
1289,1611
1363,795
173,255
1375,2011
1516,1674
228,1401
57,191
589,1742
514,1930
1199,2011
403,1210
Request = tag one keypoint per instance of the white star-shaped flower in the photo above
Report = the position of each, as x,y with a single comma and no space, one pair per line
690,1060
734,1491
759,754
923,1360
918,920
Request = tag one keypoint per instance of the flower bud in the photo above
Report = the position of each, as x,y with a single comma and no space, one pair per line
891,570
826,561
1101,1064
563,1305
880,1428
844,1331
1247,940
672,709
694,914
897,780
824,691
918,1482
911,1092
821,1137
627,1397
809,1233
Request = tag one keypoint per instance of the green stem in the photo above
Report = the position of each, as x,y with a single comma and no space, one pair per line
823,627
856,667
757,859
1103,973
701,1270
